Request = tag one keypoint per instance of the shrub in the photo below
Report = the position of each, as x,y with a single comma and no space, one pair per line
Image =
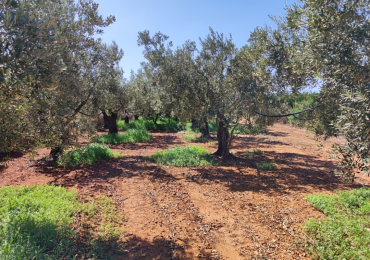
185,157
130,136
345,233
256,151
266,166
86,155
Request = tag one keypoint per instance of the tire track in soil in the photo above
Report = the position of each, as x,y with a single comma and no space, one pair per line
189,235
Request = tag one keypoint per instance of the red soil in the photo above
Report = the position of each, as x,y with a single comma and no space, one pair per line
231,211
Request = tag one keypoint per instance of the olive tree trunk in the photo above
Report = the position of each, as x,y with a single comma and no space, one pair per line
223,137
111,122
204,128
127,120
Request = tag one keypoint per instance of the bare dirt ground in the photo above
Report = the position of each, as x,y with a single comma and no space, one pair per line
232,211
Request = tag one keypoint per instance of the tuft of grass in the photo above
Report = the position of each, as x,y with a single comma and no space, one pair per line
211,143
39,222
255,152
148,124
184,157
190,138
130,136
345,233
266,166
86,155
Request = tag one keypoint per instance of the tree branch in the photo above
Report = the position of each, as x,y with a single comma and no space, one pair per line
290,114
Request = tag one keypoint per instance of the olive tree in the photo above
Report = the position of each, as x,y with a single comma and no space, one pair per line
326,43
217,81
43,44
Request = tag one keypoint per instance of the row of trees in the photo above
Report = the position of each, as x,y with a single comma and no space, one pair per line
55,76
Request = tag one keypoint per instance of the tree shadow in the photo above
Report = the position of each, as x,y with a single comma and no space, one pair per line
254,141
296,173
158,142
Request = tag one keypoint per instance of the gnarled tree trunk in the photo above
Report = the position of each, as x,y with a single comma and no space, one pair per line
127,120
204,128
223,137
194,125
55,153
111,122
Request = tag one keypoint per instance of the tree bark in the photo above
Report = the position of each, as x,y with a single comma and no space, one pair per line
223,137
111,122
204,128
55,153
194,125
155,119
127,120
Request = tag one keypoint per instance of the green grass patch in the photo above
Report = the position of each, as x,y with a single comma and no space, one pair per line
345,232
130,136
255,152
86,155
190,138
266,166
148,124
211,143
39,222
184,157
212,127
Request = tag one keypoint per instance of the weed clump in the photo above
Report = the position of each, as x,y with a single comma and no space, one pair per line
190,138
184,157
130,136
266,166
255,152
345,233
86,155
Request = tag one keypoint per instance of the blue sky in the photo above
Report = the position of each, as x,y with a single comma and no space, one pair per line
182,20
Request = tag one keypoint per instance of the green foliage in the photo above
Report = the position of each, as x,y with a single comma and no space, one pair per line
212,127
35,222
184,157
255,152
211,143
130,136
44,74
102,216
86,155
345,233
38,222
266,166
190,138
148,124
297,103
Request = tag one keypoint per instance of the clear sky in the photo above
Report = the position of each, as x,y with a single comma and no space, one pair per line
183,20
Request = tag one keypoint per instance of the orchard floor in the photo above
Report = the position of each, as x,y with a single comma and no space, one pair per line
231,211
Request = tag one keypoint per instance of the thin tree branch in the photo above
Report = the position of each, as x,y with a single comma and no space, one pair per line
290,114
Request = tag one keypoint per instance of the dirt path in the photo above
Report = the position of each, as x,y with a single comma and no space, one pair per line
231,211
